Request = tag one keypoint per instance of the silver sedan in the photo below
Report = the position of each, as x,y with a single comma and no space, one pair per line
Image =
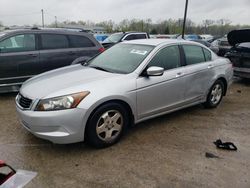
131,82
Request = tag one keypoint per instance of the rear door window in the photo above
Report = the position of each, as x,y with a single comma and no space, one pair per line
80,41
167,58
18,43
194,54
54,41
140,36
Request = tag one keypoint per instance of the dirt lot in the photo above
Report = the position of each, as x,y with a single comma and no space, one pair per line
168,151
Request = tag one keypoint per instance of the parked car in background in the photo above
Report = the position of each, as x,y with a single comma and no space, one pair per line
206,37
100,37
123,36
207,44
221,46
190,37
28,52
240,52
128,83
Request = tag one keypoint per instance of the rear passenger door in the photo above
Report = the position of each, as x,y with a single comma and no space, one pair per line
55,51
199,72
82,46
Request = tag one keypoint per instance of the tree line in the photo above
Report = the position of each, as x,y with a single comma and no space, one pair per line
218,27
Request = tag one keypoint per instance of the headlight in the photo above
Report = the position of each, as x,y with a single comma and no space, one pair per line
62,102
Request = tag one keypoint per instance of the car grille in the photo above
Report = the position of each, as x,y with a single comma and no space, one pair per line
24,102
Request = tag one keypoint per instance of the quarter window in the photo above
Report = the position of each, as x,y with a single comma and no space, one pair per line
194,54
52,41
80,41
207,54
167,58
18,43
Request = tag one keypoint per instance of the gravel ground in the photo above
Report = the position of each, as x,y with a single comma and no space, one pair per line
168,151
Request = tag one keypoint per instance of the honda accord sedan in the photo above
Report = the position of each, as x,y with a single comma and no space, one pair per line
130,82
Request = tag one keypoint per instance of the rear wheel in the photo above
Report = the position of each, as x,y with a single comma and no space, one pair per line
215,94
106,125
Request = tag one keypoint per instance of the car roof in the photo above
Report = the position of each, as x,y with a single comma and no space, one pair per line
156,42
41,30
129,32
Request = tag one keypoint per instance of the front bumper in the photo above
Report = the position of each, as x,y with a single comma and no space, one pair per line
242,72
61,127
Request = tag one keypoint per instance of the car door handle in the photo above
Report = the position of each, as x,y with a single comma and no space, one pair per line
179,74
71,53
210,66
33,55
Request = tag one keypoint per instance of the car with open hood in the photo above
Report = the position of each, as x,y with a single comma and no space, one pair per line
240,52
128,83
221,46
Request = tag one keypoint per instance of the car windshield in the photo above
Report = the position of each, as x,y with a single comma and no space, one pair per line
114,38
121,58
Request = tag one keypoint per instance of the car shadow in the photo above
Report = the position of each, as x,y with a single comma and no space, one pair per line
134,129
243,81
8,95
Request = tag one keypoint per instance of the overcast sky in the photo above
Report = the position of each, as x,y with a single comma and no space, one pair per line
19,12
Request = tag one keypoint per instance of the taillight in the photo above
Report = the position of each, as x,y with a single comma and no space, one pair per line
101,50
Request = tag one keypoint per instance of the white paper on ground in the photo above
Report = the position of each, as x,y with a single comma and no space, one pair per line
19,180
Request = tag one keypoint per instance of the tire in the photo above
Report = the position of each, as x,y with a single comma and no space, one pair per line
215,95
106,125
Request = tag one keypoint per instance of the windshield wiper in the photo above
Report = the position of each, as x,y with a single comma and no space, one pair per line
100,68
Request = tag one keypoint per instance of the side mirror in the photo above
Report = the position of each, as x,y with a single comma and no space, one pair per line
155,71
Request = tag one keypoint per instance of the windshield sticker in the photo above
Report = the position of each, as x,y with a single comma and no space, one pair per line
140,52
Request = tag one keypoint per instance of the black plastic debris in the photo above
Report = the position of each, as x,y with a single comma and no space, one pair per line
225,145
210,155
10,178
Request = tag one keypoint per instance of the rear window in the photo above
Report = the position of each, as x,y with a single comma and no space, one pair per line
194,54
54,41
80,41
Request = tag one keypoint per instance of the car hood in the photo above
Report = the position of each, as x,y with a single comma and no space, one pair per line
46,84
238,36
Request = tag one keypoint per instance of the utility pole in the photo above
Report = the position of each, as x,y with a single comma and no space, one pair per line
42,17
56,21
184,20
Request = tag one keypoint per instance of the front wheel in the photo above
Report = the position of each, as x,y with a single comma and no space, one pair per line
106,125
215,94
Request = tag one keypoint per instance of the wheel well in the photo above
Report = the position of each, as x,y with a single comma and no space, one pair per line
225,84
123,103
